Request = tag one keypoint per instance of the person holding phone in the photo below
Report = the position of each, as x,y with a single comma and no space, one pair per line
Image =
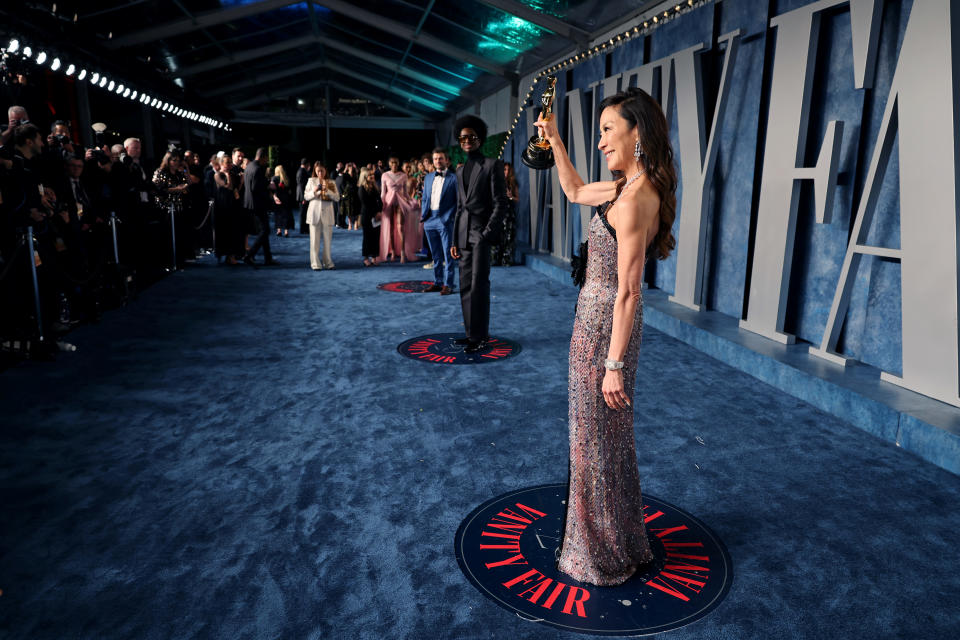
321,193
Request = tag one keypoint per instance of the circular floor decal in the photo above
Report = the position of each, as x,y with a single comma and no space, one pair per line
406,286
506,547
442,349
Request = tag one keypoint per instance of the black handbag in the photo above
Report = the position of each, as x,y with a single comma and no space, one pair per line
578,266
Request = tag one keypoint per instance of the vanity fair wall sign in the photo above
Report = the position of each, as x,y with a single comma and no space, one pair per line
507,548
816,179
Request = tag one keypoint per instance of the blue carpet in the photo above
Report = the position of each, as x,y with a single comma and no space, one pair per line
243,454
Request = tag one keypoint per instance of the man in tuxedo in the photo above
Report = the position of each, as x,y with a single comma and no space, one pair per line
303,174
256,198
481,206
438,208
137,213
138,181
76,218
75,192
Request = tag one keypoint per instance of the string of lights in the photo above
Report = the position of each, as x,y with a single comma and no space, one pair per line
642,29
96,79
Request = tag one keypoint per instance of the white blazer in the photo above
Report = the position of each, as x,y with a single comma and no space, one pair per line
320,210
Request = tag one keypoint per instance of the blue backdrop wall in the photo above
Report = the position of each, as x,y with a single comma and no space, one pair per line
871,332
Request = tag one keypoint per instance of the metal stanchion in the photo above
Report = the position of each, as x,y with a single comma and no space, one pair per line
113,230
36,284
213,226
173,236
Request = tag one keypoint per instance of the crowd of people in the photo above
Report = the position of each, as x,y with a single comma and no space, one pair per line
385,202
97,220
102,222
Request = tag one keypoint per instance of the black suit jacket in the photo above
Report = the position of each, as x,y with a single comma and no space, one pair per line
303,174
256,194
134,182
481,205
65,195
209,182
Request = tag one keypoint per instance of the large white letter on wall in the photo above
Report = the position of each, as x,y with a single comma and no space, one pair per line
534,182
579,153
698,154
797,35
922,105
560,228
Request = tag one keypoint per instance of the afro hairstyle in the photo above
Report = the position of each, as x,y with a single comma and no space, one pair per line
471,122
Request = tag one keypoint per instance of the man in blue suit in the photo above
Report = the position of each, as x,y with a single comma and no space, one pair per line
438,208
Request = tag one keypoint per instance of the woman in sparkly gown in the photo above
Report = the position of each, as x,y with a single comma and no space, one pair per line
171,182
605,539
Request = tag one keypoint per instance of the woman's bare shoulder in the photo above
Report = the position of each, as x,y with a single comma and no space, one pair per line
636,209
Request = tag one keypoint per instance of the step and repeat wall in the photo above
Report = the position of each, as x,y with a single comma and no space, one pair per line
817,149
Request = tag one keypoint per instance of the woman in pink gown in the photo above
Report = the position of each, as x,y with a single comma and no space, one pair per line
392,183
410,208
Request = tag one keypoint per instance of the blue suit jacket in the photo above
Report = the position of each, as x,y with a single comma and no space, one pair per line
448,200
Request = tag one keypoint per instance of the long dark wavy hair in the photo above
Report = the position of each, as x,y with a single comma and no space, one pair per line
641,111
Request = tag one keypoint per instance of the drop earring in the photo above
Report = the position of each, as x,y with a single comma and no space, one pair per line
637,151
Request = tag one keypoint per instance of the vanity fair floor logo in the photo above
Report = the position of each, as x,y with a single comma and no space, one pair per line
405,286
442,348
507,549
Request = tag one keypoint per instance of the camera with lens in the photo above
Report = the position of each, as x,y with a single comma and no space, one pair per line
59,140
100,156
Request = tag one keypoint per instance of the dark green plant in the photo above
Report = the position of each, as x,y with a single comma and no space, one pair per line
491,149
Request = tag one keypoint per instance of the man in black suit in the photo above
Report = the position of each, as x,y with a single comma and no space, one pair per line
303,174
256,198
236,169
138,185
209,182
481,206
141,243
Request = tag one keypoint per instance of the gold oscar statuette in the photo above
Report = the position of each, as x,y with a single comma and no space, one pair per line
538,154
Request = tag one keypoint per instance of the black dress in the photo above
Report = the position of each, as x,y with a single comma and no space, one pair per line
229,223
370,206
349,200
283,213
501,254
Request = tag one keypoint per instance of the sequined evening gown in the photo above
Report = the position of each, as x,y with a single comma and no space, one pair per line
605,539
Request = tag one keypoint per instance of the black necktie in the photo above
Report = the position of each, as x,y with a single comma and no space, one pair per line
79,194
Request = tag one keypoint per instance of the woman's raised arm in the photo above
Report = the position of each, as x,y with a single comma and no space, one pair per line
577,191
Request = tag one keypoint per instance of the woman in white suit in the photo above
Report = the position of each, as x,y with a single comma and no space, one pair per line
321,193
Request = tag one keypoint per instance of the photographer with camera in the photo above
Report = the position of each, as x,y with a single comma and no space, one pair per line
16,116
60,138
31,203
58,151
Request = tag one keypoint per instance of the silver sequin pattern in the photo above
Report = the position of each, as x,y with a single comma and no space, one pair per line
605,539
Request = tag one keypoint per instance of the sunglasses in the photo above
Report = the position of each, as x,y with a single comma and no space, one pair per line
470,138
